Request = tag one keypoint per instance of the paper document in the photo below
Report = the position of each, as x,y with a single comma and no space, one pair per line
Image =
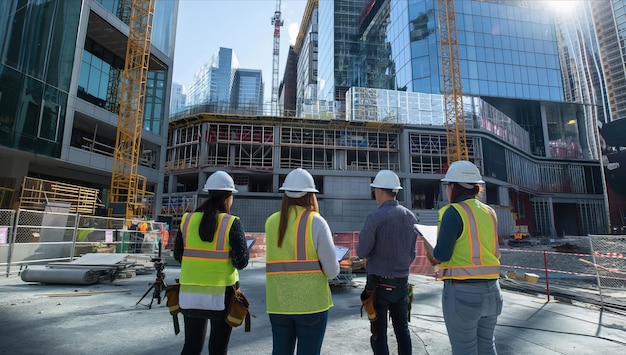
341,252
429,233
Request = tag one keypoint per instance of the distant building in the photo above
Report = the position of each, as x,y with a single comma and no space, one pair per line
178,99
212,83
307,50
247,91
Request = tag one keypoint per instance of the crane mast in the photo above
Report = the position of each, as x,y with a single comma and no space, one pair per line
127,186
452,87
277,22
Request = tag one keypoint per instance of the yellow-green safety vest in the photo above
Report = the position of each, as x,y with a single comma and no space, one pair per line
207,263
476,252
295,283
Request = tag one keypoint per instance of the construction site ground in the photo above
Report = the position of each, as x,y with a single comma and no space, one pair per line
105,319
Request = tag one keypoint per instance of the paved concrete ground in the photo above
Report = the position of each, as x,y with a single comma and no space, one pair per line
109,322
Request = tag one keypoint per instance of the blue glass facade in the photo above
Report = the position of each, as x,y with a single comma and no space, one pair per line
504,51
247,91
162,24
37,43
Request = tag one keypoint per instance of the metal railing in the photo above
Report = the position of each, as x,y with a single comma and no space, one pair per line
31,237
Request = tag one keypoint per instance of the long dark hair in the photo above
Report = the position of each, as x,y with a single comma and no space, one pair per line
308,201
215,204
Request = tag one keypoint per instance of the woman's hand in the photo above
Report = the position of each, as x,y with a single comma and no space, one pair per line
432,259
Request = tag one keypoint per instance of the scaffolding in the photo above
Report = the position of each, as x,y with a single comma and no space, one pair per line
36,194
253,146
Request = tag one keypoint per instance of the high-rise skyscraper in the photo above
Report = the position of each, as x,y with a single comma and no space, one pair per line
247,91
212,83
178,99
61,64
512,76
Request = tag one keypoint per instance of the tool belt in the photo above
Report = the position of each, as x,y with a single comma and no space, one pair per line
368,302
171,293
238,309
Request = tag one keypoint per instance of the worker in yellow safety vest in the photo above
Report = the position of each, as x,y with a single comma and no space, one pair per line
300,258
468,256
211,246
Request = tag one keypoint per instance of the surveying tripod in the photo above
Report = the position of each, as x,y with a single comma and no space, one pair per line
158,286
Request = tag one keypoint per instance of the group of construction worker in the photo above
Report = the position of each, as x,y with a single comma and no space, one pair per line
301,258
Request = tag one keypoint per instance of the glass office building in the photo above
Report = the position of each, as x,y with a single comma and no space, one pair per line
61,63
513,81
212,83
247,91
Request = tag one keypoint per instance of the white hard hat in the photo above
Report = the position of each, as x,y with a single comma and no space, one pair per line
387,179
220,181
298,183
463,172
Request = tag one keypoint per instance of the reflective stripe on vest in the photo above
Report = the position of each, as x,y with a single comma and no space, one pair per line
185,226
476,269
220,251
301,264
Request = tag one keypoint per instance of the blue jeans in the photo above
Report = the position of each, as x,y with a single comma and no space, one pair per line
307,329
391,296
471,310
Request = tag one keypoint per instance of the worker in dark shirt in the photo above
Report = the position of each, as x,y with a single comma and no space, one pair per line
387,241
468,254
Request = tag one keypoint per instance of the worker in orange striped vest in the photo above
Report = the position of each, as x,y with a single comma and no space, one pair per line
468,255
300,256
211,246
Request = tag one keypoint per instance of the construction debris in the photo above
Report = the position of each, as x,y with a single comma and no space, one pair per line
91,268
77,293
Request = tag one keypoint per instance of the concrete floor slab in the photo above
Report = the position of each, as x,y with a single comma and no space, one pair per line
108,321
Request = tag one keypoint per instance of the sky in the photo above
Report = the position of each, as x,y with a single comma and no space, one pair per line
243,25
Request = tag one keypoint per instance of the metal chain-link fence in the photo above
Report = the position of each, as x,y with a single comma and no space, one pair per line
6,232
43,236
608,252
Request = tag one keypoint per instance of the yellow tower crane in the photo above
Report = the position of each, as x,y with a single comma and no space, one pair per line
452,87
127,186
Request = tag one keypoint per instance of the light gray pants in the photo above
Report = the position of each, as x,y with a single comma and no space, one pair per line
471,310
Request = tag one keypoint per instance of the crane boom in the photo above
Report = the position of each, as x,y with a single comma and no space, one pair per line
127,186
452,87
277,22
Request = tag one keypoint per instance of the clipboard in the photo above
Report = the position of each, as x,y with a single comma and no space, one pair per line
341,252
428,233
250,242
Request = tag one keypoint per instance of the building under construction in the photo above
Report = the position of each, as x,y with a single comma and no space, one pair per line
344,156
370,95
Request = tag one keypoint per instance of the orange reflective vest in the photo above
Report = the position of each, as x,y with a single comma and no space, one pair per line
476,252
207,263
295,283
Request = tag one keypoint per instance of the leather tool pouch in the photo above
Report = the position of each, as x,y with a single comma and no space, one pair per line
171,293
368,298
238,310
